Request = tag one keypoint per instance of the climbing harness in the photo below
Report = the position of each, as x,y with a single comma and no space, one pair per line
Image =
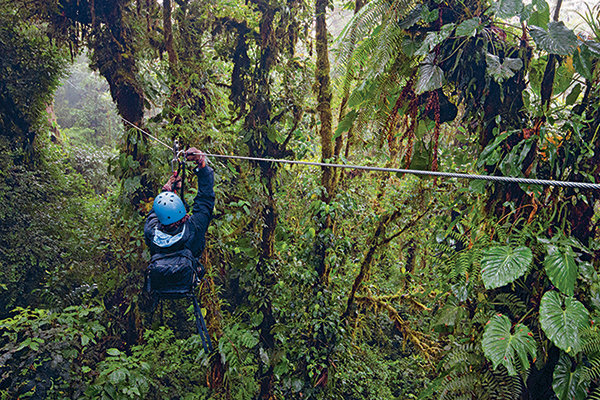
493,178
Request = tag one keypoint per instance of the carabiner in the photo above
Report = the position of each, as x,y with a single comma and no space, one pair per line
178,168
175,161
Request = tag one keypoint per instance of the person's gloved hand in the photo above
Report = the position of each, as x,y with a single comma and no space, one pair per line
173,184
193,154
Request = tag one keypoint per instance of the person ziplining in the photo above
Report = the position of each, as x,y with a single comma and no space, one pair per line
176,239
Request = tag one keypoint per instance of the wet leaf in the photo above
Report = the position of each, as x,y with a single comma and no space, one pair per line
558,39
501,71
507,8
468,27
502,347
561,269
566,383
574,95
431,77
540,16
562,320
503,264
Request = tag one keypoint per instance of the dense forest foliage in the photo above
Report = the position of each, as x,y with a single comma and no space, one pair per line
322,283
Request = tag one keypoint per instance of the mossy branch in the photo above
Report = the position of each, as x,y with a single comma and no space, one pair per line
422,342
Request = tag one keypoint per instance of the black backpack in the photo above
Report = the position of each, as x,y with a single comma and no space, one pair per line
173,274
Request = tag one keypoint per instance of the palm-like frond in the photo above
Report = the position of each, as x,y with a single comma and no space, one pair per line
467,375
594,394
361,24
512,302
369,50
591,350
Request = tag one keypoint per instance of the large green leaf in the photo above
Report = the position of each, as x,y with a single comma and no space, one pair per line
490,149
566,383
574,95
500,346
346,123
432,39
561,268
537,13
562,79
468,27
421,158
502,70
507,8
558,39
583,61
562,320
431,76
502,265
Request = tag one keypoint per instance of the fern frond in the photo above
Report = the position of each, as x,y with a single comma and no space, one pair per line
591,341
359,27
461,357
399,14
457,385
594,394
481,317
500,385
592,371
512,302
469,375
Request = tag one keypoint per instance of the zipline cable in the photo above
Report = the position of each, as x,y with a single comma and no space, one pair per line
492,178
147,134
544,182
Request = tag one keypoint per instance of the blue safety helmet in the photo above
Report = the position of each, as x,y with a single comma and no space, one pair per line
168,208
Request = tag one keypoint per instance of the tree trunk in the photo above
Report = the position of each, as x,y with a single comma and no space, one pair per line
324,95
258,121
168,33
113,56
550,71
323,86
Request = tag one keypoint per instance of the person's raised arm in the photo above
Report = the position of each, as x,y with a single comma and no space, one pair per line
205,199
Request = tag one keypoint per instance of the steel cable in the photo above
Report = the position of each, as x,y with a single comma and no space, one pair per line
492,178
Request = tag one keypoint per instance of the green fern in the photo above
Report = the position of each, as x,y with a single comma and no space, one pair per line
510,301
591,354
370,51
594,394
466,374
372,15
592,371
460,385
459,265
461,357
591,341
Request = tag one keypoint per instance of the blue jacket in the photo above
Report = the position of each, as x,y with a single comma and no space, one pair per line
189,235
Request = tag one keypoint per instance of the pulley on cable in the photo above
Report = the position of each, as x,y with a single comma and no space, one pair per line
178,169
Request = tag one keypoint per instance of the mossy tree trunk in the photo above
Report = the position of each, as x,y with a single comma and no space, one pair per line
168,35
328,152
113,55
258,121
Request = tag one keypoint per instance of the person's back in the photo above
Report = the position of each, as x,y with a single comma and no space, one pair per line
176,239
